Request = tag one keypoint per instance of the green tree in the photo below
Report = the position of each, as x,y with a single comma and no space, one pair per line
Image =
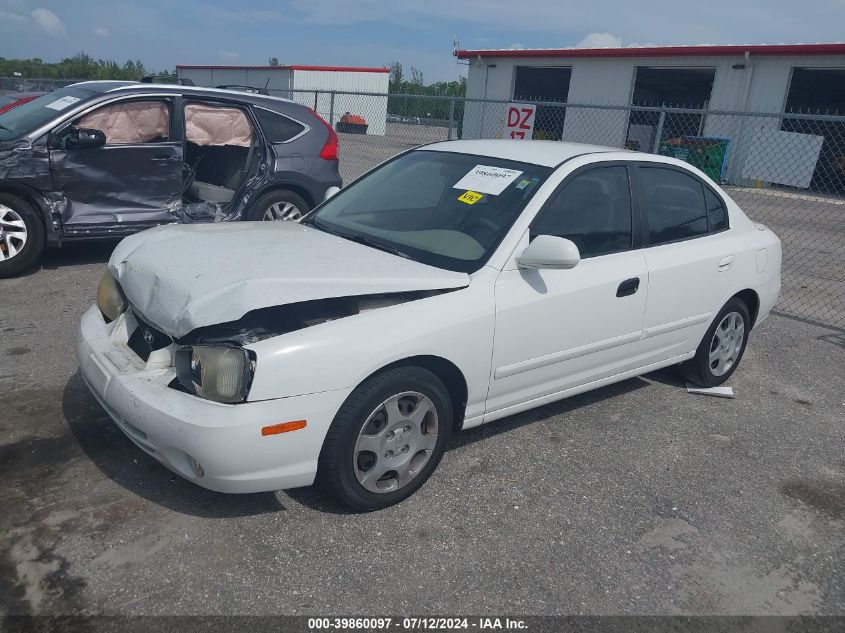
395,81
80,66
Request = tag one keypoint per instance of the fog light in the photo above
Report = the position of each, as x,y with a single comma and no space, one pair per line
197,468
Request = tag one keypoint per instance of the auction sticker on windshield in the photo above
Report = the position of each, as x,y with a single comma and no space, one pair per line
61,104
470,197
489,180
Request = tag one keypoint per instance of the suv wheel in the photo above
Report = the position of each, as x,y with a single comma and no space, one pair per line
278,205
21,235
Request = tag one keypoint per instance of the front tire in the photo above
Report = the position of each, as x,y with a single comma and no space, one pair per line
386,439
22,235
722,347
278,205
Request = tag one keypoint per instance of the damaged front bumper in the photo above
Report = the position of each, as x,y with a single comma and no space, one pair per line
217,446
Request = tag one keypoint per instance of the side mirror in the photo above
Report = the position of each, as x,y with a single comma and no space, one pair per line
548,251
83,138
330,192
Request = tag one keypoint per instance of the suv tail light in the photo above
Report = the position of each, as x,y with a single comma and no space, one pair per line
329,151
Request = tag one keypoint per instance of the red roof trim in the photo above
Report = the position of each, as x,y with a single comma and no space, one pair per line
342,69
662,51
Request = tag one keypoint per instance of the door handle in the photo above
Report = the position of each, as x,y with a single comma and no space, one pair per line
160,159
725,263
628,287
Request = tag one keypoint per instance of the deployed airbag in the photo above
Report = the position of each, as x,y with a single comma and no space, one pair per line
130,122
216,125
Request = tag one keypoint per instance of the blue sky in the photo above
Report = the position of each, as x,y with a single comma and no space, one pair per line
163,33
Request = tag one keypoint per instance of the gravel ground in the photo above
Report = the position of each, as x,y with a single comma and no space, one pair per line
634,499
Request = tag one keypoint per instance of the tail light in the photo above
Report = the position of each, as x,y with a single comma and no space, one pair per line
329,151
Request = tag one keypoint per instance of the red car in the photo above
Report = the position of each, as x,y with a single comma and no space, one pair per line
7,102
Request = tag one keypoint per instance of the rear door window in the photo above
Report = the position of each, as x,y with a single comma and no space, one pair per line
717,215
277,127
674,205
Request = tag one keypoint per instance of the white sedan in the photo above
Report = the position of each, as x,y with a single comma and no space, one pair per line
455,284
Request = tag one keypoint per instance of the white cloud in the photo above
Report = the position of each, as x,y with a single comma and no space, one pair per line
254,16
515,46
11,17
49,22
600,40
102,31
228,54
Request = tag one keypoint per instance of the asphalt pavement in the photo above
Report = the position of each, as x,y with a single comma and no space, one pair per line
638,498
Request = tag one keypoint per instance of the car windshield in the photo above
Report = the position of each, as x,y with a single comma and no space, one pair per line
29,116
444,209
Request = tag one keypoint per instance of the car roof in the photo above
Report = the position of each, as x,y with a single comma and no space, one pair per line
131,87
200,91
546,153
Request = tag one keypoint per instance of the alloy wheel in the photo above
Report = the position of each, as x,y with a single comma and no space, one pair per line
727,343
396,442
13,233
282,211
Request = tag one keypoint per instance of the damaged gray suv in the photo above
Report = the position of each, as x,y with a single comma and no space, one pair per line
106,159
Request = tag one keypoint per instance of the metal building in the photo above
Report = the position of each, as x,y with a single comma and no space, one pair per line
310,85
754,78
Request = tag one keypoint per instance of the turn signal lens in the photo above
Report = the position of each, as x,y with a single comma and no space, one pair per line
284,427
110,299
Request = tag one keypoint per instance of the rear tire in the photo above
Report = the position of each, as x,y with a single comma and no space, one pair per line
22,235
722,347
281,204
386,439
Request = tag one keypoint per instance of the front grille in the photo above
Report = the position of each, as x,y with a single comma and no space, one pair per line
146,339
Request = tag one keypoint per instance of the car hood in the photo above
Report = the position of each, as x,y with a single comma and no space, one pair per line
179,278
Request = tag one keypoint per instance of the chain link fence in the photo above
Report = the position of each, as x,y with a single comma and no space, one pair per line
786,170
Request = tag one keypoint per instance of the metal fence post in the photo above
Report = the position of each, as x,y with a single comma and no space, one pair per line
331,108
659,134
451,117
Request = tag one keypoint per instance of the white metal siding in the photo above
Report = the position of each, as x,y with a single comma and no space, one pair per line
761,86
273,79
373,109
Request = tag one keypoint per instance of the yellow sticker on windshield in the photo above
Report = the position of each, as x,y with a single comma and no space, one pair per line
470,197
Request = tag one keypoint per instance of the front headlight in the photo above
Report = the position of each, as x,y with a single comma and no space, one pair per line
215,372
110,299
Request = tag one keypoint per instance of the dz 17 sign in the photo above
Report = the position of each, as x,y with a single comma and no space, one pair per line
519,121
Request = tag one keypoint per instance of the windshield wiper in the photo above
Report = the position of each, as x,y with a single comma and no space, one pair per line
355,237
316,224
368,241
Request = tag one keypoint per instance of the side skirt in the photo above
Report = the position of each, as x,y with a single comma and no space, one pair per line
573,391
